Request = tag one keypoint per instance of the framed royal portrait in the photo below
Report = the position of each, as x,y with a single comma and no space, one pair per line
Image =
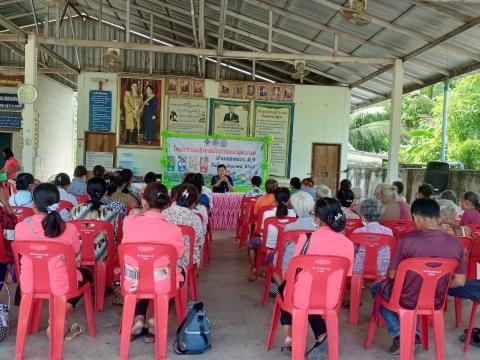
140,111
237,90
185,87
275,92
172,86
224,90
250,91
288,92
262,91
197,88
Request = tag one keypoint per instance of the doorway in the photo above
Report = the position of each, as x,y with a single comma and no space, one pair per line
6,141
326,165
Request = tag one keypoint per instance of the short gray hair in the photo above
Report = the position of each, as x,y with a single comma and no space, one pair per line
371,210
302,203
323,191
448,195
388,191
447,209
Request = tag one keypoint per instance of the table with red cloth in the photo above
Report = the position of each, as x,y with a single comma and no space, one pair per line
225,210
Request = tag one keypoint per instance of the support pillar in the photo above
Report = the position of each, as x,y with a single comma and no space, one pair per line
444,120
395,121
29,114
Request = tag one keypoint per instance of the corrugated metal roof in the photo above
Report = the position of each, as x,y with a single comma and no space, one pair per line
397,29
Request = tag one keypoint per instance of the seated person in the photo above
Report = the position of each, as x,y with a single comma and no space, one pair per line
222,183
195,180
182,213
448,220
113,205
471,205
122,195
345,196
8,220
425,191
399,187
429,240
322,191
96,209
371,211
155,229
130,189
307,186
450,195
47,226
25,184
205,190
255,191
79,184
98,171
357,198
268,199
281,211
327,240
62,182
295,185
149,178
302,205
393,208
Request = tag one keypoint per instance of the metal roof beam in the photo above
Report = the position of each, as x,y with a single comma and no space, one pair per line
442,9
414,34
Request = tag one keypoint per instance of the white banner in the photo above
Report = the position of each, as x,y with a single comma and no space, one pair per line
187,115
275,120
243,158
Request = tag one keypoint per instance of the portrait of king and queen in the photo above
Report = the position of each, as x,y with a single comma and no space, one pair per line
140,112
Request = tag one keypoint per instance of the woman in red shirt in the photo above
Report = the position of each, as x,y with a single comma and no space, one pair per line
471,205
12,166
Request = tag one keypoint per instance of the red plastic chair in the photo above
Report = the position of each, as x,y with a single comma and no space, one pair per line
475,253
467,243
88,229
145,256
372,243
283,237
63,204
259,218
22,212
4,246
278,224
431,270
320,268
399,227
245,203
40,254
191,276
205,255
351,225
82,198
8,188
247,224
468,336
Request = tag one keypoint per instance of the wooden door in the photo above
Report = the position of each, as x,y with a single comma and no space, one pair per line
326,165
101,142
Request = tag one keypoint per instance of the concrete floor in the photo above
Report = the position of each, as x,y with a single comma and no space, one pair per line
240,323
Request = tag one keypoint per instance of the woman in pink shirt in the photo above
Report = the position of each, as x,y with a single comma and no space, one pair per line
327,240
471,205
151,227
47,225
12,166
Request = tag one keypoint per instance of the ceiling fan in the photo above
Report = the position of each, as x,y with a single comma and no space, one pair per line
355,12
300,71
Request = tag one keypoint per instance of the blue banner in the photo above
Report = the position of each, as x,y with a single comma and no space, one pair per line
10,121
100,111
9,102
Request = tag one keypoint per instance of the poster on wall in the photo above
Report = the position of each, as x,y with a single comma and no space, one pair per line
187,115
94,158
139,120
229,117
100,111
202,154
276,120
